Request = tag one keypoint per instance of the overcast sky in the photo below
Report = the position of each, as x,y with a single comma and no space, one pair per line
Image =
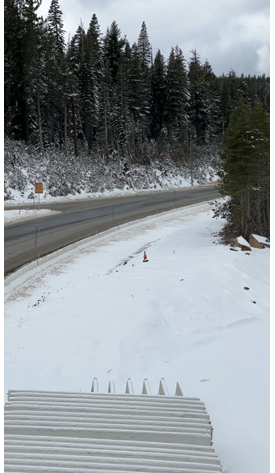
230,34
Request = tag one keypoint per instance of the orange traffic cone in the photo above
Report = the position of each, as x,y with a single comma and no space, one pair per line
145,257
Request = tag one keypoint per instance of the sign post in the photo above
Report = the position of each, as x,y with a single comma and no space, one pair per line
38,188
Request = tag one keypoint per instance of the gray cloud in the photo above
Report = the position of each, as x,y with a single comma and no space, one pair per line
230,34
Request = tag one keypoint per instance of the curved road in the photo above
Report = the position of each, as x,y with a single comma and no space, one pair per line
26,241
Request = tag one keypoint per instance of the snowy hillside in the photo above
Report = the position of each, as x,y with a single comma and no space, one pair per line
90,176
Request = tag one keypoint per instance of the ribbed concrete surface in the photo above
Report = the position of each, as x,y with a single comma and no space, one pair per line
81,432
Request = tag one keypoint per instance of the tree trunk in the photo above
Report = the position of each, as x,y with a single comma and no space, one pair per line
243,222
65,129
268,214
248,216
89,135
74,129
105,126
39,124
25,128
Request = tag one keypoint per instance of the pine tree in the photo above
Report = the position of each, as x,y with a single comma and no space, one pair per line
226,106
110,98
158,95
56,77
236,176
213,117
113,49
22,67
14,87
139,106
77,68
177,97
260,137
55,28
204,113
33,72
91,81
245,176
124,124
135,84
144,51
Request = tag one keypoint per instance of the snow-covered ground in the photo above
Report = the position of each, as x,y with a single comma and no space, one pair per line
12,216
186,314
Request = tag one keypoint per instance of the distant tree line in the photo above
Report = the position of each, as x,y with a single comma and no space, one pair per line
102,95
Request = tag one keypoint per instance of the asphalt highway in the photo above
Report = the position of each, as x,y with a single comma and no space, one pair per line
76,220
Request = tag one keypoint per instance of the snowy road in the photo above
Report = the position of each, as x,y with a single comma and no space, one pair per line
77,220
